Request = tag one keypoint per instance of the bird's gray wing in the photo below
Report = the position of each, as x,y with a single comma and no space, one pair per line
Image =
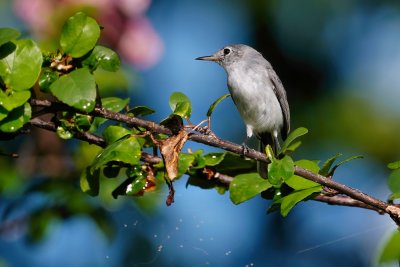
281,95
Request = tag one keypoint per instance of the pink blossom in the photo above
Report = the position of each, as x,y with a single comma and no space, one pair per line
139,43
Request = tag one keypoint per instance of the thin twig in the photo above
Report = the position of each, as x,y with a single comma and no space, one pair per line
210,140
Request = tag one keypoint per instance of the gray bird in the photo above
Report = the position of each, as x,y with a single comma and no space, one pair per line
257,93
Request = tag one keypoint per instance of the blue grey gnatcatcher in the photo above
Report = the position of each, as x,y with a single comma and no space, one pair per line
257,92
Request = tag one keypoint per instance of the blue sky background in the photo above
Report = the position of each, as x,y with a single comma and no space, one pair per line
355,45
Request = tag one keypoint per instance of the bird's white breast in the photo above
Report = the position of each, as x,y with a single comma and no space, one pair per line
253,93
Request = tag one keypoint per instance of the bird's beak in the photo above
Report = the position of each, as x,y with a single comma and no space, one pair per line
208,58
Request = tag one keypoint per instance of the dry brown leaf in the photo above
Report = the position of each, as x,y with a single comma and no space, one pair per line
170,149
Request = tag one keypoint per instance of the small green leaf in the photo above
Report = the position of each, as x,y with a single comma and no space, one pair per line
82,122
300,183
76,89
293,135
270,153
136,186
233,164
79,35
14,100
47,77
394,181
90,182
214,158
391,250
16,119
214,105
114,104
199,160
394,196
126,150
102,57
3,113
289,201
6,49
173,122
184,163
139,111
292,147
64,133
328,164
180,105
112,133
280,170
394,165
8,34
343,162
20,69
246,186
122,189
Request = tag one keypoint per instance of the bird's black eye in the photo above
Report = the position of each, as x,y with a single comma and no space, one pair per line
226,51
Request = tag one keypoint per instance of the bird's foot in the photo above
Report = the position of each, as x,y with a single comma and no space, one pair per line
245,149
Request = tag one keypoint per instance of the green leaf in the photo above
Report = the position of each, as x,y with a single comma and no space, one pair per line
214,105
279,170
328,164
20,69
246,186
126,150
233,164
185,161
137,185
394,165
79,35
76,89
14,100
47,77
114,104
289,201
199,160
292,147
394,181
298,183
391,250
122,189
394,196
140,111
16,119
343,162
112,133
214,158
173,122
292,136
102,57
90,182
8,34
180,105
6,49
64,133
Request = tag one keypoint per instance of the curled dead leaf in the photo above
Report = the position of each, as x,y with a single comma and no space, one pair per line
170,149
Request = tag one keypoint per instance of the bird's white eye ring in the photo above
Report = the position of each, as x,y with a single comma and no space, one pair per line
227,51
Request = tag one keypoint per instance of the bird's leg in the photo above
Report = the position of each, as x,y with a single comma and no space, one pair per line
249,131
245,147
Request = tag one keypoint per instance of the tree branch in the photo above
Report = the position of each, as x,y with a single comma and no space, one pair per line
356,197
